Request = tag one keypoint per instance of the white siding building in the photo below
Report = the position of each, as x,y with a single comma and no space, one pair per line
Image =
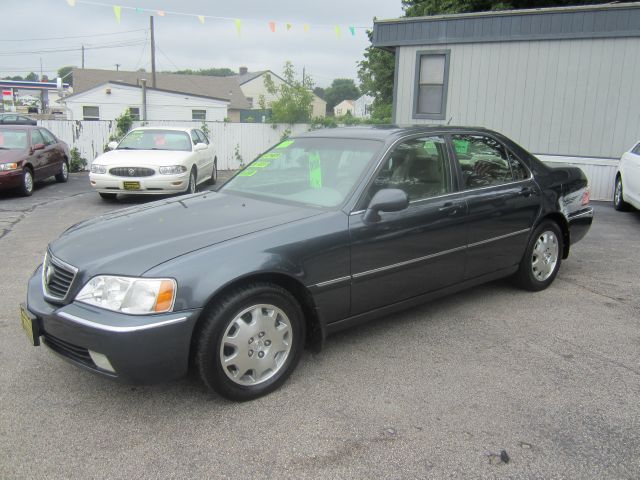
110,100
362,106
344,107
562,82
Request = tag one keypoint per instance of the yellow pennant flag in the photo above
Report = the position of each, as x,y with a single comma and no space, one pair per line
238,23
338,31
201,18
117,11
72,3
289,26
306,27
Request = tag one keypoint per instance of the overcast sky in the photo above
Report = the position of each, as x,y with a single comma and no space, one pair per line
183,42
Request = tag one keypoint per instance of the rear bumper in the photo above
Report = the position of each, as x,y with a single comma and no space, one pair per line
142,349
154,185
579,224
10,179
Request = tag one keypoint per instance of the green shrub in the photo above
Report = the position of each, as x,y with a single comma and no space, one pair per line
76,163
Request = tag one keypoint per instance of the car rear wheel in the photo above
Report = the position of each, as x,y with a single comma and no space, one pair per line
27,183
63,175
542,259
108,196
214,174
618,196
250,342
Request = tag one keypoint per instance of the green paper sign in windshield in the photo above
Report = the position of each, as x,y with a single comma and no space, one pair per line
315,170
461,146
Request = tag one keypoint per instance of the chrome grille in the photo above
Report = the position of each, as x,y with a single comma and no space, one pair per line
131,172
57,277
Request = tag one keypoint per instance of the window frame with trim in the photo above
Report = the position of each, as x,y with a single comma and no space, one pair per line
134,116
91,118
416,114
199,110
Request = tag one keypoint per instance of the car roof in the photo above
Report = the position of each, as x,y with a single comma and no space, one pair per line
163,127
19,127
384,132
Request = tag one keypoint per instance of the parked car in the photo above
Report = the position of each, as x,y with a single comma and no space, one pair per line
16,119
626,191
29,154
155,160
322,232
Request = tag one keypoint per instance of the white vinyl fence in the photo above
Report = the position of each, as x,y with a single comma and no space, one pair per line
246,140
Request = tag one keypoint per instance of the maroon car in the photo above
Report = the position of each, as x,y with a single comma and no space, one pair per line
29,154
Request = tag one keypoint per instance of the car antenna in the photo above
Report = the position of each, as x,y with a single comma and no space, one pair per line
450,118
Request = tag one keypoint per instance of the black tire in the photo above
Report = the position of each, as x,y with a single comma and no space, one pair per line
214,174
63,175
108,196
220,320
536,272
618,196
26,189
192,187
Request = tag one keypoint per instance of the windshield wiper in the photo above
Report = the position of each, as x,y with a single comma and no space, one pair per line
5,148
126,148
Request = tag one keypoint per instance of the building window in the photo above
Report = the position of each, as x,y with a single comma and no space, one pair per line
198,114
338,111
250,100
91,113
367,109
431,81
134,113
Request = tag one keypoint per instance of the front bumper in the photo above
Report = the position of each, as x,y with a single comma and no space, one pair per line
142,349
10,179
579,223
153,185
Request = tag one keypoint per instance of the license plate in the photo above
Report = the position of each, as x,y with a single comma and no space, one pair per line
131,185
30,329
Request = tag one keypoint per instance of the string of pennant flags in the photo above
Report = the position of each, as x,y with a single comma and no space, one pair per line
238,22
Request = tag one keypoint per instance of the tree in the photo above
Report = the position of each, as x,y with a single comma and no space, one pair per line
319,91
294,98
66,74
31,77
212,72
376,70
340,89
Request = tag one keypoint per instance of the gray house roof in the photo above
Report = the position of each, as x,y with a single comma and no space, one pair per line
247,77
593,21
222,88
76,93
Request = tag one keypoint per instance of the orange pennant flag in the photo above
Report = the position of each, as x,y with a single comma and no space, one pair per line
161,13
272,26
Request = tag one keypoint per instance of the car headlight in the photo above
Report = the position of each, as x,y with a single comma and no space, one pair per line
137,296
172,170
98,168
8,166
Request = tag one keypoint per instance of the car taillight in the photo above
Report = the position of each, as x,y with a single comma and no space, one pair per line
585,196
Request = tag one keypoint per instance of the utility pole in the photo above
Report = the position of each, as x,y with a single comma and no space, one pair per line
83,57
118,67
41,69
143,83
153,54
303,75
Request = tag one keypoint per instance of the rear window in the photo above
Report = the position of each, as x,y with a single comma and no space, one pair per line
13,139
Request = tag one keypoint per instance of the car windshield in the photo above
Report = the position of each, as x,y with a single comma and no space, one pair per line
156,140
311,171
13,139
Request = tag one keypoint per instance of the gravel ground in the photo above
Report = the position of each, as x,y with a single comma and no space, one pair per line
439,391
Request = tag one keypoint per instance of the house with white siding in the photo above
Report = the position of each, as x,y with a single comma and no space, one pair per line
111,99
362,106
562,82
343,108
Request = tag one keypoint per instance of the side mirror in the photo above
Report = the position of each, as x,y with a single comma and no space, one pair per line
386,200
200,146
112,145
38,146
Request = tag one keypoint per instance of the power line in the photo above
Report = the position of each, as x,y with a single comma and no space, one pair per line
68,37
75,49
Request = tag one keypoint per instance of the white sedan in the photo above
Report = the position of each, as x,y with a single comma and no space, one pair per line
155,160
627,186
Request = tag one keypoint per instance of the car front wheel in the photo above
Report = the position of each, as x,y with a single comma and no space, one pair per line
618,196
192,187
27,183
542,259
250,342
214,173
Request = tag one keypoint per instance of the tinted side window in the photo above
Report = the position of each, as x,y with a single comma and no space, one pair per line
203,138
48,136
36,137
518,170
636,150
483,160
194,137
419,166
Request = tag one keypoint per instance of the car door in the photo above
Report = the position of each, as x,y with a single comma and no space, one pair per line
208,154
53,150
418,249
198,156
39,158
503,202
631,178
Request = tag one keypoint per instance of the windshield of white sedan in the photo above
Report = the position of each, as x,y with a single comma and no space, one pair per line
312,171
156,140
13,139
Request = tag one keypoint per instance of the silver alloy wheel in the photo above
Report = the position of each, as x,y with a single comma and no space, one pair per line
617,195
544,257
256,344
28,181
65,170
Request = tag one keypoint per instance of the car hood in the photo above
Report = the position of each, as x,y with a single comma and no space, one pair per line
9,156
136,158
133,240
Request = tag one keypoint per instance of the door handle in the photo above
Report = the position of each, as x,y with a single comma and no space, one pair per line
526,191
450,208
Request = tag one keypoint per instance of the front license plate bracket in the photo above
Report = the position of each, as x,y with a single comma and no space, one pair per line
30,325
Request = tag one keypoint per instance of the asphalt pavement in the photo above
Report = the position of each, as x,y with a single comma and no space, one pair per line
439,391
